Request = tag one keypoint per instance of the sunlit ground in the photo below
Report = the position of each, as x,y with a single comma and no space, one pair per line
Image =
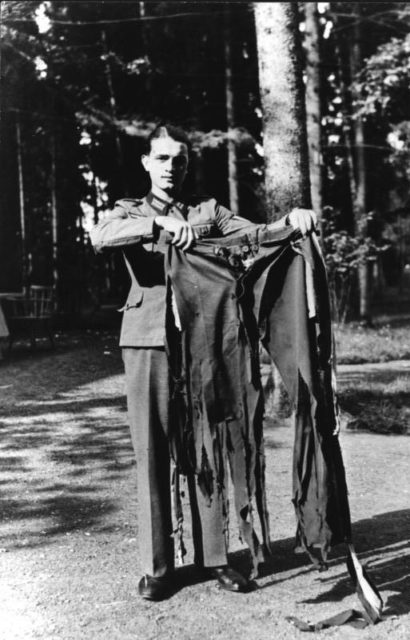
69,514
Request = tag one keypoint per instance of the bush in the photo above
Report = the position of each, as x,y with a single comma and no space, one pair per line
344,253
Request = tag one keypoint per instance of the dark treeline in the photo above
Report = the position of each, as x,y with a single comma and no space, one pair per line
84,82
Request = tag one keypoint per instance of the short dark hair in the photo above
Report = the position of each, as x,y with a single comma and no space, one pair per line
166,130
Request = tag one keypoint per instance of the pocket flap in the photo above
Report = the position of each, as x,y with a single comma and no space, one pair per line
134,300
203,230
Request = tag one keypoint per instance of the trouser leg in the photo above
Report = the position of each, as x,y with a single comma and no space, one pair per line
208,522
207,527
147,383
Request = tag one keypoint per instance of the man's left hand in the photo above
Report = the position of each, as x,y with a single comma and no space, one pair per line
303,220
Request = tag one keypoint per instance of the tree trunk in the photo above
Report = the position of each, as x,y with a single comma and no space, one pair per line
314,105
94,187
24,265
230,116
113,108
142,13
283,104
54,211
359,196
346,128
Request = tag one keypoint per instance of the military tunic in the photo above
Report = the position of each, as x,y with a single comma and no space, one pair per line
130,226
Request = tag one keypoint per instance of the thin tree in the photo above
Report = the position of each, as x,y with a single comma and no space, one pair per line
359,196
230,115
113,109
54,210
24,258
314,103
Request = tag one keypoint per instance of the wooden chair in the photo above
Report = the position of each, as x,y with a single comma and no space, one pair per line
31,314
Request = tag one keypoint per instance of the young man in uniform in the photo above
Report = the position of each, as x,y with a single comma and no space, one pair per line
135,226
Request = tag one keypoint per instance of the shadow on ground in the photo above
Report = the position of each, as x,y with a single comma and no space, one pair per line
377,398
383,543
59,465
64,437
79,358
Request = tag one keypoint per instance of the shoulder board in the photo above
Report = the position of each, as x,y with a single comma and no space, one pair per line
129,202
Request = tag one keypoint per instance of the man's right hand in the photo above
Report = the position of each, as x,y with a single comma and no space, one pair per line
183,233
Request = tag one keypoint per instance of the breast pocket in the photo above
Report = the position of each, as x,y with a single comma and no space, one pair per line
134,300
206,230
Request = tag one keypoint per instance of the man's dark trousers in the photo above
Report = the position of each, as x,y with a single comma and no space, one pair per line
147,380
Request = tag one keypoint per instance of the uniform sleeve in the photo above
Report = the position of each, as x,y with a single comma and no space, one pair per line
122,228
229,223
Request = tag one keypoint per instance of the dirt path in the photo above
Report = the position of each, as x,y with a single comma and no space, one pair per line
68,560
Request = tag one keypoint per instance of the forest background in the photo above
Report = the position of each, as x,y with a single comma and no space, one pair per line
83,83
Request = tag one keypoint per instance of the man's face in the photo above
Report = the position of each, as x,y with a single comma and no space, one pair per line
167,164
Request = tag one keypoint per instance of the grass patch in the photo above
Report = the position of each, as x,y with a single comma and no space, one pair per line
373,399
357,345
379,403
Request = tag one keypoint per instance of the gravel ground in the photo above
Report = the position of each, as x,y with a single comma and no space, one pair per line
68,558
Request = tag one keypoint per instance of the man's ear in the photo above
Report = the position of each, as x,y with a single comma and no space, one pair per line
145,162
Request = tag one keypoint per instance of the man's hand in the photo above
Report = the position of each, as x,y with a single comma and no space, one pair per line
183,233
303,220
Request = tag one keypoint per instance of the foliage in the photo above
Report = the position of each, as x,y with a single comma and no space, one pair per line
381,30
399,160
343,255
95,81
101,75
382,90
383,85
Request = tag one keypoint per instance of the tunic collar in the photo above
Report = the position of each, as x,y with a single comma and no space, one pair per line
162,207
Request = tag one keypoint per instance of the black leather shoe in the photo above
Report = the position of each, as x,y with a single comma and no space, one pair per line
154,588
230,580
